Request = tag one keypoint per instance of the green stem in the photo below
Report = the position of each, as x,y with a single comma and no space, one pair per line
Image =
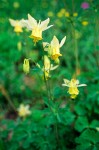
56,132
75,41
50,92
4,92
96,37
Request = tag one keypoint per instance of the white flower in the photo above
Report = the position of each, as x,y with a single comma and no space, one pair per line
17,24
73,87
54,47
37,28
23,111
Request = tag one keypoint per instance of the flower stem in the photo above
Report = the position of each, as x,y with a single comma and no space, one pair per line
4,92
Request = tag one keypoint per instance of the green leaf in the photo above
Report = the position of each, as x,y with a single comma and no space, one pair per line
81,124
89,138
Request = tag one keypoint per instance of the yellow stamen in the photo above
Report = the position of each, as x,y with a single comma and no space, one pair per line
36,35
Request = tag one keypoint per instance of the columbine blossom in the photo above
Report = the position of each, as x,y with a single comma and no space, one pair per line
17,24
85,5
47,67
36,28
73,85
54,47
23,110
26,66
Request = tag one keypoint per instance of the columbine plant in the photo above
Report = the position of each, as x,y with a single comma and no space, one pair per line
36,28
52,55
73,85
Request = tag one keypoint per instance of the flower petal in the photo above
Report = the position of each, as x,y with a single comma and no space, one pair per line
25,23
62,41
44,24
32,21
45,44
13,22
48,27
53,67
21,23
55,42
66,81
81,85
64,85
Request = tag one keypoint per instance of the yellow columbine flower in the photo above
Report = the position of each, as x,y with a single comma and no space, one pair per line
36,28
23,111
26,66
84,23
17,24
73,85
54,47
48,67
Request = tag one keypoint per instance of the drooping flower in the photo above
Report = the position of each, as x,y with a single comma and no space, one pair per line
85,5
17,24
26,66
23,110
54,47
73,85
36,28
48,67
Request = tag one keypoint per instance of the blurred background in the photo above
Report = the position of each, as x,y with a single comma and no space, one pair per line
79,21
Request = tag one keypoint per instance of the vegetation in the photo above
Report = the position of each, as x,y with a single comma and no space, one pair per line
43,66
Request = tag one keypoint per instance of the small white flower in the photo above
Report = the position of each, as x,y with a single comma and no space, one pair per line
17,24
23,110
